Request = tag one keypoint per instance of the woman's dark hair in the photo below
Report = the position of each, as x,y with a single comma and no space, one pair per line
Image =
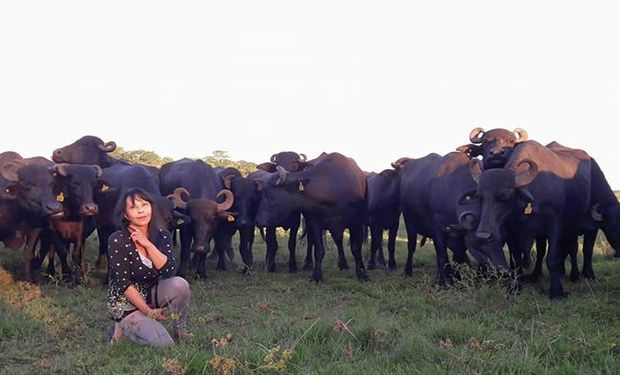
134,193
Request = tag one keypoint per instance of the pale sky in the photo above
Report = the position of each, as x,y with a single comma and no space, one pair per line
373,80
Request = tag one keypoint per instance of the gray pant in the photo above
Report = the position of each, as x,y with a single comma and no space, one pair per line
172,293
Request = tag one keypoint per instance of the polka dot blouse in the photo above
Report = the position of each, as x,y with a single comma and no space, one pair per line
126,268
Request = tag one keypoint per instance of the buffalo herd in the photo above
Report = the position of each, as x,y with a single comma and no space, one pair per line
501,189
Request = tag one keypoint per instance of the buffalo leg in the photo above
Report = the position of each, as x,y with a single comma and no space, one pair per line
541,250
246,237
376,234
357,237
444,270
292,246
412,238
185,234
308,262
569,248
201,265
337,236
315,234
589,238
272,248
554,257
392,246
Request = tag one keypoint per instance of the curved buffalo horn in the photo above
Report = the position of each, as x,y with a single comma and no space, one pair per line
475,168
177,198
227,204
108,147
273,158
303,158
98,170
399,163
521,134
475,136
283,174
228,181
526,177
61,169
596,214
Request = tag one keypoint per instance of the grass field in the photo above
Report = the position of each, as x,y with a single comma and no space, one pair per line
280,323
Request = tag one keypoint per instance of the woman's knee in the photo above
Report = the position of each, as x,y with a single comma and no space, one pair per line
181,286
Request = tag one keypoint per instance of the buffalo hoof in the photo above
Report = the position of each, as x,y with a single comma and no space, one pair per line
308,266
557,294
317,277
392,265
408,271
532,277
588,275
574,276
343,265
201,277
102,263
362,276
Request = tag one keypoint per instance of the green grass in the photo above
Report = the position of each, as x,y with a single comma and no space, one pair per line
391,325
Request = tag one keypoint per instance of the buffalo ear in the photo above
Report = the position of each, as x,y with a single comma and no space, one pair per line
267,167
228,181
475,169
9,170
471,150
260,184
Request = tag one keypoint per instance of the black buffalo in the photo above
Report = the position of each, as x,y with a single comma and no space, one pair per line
27,203
196,181
431,189
495,146
245,191
383,214
539,193
331,194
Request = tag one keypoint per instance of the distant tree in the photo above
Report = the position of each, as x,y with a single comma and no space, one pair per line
219,158
141,156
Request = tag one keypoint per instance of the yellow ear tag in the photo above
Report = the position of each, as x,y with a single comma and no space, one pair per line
230,218
60,197
528,209
301,186
104,187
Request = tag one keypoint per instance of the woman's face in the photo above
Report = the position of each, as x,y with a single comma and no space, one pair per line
138,211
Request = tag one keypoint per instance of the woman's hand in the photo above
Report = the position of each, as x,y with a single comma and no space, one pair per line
158,314
138,237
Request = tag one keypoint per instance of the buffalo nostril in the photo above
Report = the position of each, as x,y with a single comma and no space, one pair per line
484,236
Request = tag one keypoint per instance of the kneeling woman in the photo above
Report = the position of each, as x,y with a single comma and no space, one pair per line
141,292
